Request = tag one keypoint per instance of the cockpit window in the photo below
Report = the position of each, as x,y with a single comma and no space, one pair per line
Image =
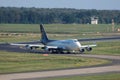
75,40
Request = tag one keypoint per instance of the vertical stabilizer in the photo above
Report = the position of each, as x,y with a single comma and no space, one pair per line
44,38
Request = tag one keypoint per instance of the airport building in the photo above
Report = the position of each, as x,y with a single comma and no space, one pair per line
94,20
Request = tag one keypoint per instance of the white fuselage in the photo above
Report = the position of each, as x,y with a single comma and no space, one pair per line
70,45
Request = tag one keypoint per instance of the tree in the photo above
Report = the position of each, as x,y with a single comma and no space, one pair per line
56,15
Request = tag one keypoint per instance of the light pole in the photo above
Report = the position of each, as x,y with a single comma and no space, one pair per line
113,25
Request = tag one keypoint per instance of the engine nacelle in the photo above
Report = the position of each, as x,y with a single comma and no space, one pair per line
48,49
82,50
89,49
28,47
45,48
51,50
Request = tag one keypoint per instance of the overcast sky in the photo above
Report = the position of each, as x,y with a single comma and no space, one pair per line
77,4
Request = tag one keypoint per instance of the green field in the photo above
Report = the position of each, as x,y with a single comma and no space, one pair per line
63,31
58,28
110,47
11,62
113,76
30,32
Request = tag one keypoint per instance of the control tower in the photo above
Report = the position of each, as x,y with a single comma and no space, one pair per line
94,20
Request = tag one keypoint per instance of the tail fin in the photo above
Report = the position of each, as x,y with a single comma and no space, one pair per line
44,38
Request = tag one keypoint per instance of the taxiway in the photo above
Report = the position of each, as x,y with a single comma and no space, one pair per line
108,68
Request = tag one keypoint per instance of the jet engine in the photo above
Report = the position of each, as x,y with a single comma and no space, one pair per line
51,50
82,50
31,47
89,49
28,47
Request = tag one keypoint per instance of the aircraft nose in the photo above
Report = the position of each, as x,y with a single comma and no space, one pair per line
78,44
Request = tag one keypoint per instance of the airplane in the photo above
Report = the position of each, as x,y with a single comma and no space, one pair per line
57,46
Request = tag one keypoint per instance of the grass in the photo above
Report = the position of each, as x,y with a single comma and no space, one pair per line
60,31
113,76
110,47
18,37
58,28
11,62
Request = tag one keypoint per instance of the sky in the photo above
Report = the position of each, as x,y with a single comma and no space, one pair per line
77,4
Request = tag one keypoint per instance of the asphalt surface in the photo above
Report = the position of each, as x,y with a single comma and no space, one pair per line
108,68
115,67
100,39
10,48
7,47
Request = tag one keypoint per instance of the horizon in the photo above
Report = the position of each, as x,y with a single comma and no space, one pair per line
62,8
72,4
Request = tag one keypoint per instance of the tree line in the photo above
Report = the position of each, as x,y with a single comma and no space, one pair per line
56,15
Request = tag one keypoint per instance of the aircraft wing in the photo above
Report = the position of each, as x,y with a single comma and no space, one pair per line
33,45
28,45
30,42
86,46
